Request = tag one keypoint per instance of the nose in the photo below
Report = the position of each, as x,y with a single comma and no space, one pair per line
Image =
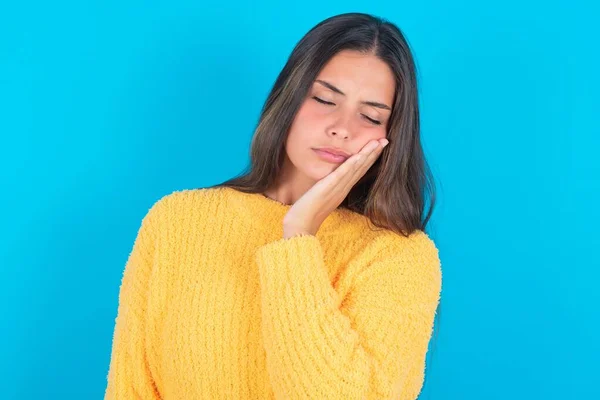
340,128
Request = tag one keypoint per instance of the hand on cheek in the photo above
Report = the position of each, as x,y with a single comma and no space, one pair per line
309,211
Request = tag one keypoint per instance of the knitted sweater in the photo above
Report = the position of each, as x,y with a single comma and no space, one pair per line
215,304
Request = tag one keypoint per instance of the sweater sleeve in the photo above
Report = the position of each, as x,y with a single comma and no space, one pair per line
371,343
129,376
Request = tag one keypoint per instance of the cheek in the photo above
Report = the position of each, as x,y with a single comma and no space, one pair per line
305,126
307,116
304,134
376,134
367,135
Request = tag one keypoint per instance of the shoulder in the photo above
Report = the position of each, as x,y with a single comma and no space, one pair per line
175,206
417,243
185,200
415,256
418,246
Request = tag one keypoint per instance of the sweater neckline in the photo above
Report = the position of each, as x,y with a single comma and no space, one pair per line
270,210
276,201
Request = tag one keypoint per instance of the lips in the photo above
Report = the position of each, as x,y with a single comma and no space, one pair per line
330,157
334,151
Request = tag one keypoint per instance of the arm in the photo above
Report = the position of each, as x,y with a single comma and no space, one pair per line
370,344
129,376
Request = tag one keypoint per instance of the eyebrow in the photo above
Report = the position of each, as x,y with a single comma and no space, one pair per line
369,103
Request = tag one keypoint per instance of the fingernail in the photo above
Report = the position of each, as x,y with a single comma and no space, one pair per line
385,142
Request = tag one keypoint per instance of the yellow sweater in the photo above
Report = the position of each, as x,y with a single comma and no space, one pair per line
215,304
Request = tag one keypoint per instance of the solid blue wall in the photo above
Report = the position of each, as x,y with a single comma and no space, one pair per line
107,106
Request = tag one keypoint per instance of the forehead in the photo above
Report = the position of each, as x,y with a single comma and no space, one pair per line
352,71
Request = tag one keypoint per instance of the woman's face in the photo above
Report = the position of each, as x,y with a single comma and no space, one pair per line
348,105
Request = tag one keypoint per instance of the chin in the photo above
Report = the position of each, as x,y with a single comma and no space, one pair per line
318,170
313,168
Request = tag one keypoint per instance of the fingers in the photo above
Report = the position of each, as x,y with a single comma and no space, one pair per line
367,157
369,153
343,178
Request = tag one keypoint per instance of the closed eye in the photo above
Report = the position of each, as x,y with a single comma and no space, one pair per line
323,101
373,121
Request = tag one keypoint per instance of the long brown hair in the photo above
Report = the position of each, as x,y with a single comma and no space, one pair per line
392,193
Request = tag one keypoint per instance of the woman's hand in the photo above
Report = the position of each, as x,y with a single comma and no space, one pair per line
308,213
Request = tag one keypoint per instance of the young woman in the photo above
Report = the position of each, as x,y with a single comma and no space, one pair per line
310,276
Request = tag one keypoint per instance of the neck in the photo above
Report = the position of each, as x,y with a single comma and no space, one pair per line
290,186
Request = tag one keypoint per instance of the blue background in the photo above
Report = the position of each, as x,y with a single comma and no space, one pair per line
106,106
